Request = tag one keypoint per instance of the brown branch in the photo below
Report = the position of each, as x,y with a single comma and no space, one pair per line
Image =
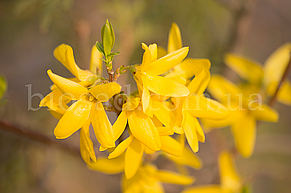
284,77
35,136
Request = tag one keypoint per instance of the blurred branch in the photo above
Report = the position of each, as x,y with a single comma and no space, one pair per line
242,17
284,77
38,137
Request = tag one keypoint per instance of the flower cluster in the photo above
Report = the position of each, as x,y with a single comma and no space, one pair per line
162,114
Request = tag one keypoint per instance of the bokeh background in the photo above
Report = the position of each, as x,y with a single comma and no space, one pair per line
31,29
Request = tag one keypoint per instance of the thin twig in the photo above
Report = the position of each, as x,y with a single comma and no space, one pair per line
35,136
284,77
110,74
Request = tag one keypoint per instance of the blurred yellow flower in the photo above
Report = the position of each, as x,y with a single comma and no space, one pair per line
244,109
230,181
148,179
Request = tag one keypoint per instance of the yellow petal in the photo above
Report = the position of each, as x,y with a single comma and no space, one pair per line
104,92
148,151
55,100
165,86
265,113
146,59
121,148
229,177
86,145
69,88
161,52
284,95
174,41
171,146
102,126
64,54
196,82
154,52
164,114
143,129
244,132
276,64
132,185
164,131
204,189
173,178
95,61
230,120
177,76
146,100
200,132
133,158
245,67
73,119
108,166
56,114
131,103
192,66
119,125
202,107
188,158
204,83
167,62
189,127
219,88
154,187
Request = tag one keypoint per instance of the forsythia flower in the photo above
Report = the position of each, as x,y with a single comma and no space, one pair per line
144,136
147,78
244,111
181,113
87,109
230,181
148,179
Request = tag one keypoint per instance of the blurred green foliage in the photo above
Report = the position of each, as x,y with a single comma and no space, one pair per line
3,86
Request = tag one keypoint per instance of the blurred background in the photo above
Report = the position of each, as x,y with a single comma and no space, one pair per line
31,29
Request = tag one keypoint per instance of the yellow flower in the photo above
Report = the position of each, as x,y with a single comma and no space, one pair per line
148,179
147,78
270,74
56,101
181,113
144,137
230,181
87,108
244,112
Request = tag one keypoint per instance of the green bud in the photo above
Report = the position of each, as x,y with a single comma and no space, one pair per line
132,69
108,37
123,69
